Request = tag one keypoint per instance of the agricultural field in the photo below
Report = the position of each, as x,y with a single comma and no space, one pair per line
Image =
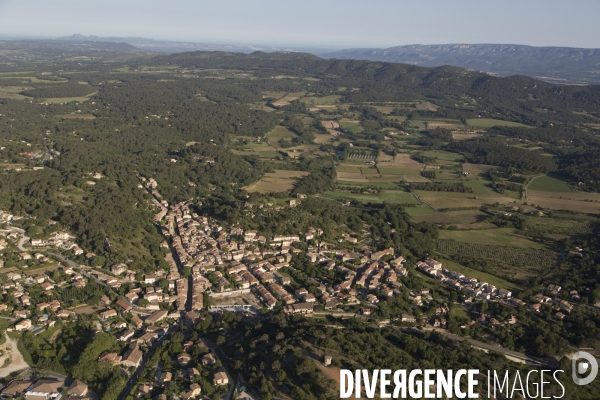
460,135
288,98
350,167
463,219
78,116
401,164
440,123
278,181
12,92
478,168
351,125
548,183
330,124
444,200
61,100
389,196
321,138
481,187
490,122
351,177
358,172
497,236
567,201
443,156
414,178
567,226
331,100
273,95
419,211
516,262
279,132
427,106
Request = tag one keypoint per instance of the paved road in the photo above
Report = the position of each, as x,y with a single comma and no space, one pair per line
22,241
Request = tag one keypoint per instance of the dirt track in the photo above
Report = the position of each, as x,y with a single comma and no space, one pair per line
11,351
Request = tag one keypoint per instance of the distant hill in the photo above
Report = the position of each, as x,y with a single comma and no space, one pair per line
52,46
555,64
152,45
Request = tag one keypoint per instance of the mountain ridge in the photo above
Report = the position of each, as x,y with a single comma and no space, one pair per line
552,63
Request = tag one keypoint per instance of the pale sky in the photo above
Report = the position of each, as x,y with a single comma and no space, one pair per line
336,23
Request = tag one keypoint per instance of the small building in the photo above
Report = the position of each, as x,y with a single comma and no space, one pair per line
23,325
220,378
208,360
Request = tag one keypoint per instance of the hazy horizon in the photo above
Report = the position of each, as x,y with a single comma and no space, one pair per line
332,24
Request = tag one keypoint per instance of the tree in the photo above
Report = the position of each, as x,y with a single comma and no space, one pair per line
98,261
177,337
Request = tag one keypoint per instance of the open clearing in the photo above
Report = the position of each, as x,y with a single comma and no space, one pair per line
86,309
489,122
278,181
11,352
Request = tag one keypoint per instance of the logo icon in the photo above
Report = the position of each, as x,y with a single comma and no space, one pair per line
581,364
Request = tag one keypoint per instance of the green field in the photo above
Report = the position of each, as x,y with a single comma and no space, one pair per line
548,183
350,127
480,187
489,122
420,210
